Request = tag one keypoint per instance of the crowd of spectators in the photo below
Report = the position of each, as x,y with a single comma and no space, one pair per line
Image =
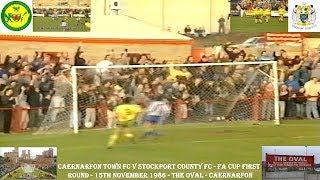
196,32
61,11
238,92
28,85
251,4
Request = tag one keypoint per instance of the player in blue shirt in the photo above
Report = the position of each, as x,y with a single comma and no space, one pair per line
157,110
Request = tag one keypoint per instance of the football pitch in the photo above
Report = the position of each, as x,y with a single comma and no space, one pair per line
220,142
47,24
247,24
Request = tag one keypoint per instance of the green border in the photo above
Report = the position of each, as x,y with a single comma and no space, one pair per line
22,4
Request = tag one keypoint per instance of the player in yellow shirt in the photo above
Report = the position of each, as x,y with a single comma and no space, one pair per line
87,24
65,17
126,114
260,14
256,14
267,14
282,11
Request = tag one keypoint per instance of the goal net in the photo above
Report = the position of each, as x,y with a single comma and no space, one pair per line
237,91
58,115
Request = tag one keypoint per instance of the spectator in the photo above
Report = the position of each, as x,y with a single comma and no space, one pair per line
284,70
293,83
34,100
56,106
304,73
133,61
233,53
7,102
9,63
91,101
209,98
300,101
196,32
144,60
45,86
204,59
45,103
265,57
189,60
284,96
124,55
78,59
222,27
312,92
187,30
21,102
291,108
112,55
267,100
35,80
202,32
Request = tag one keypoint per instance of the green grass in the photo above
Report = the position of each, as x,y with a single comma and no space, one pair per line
233,142
247,24
47,24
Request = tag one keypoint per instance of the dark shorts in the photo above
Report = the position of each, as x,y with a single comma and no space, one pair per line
153,119
125,124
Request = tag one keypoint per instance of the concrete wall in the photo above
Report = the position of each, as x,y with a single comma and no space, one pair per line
93,52
177,13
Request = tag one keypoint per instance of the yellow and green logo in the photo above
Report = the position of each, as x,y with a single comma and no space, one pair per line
16,15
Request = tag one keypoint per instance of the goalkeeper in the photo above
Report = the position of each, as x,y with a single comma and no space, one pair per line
126,114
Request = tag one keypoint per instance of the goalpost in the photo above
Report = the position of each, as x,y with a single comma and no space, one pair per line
206,92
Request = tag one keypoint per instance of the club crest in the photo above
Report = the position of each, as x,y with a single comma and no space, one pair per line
16,16
304,16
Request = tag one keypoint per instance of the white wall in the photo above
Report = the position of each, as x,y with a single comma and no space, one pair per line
175,13
146,10
179,13
219,8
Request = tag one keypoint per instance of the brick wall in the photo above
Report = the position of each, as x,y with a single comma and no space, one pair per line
93,52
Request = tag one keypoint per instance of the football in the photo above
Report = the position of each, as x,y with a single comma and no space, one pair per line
89,124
